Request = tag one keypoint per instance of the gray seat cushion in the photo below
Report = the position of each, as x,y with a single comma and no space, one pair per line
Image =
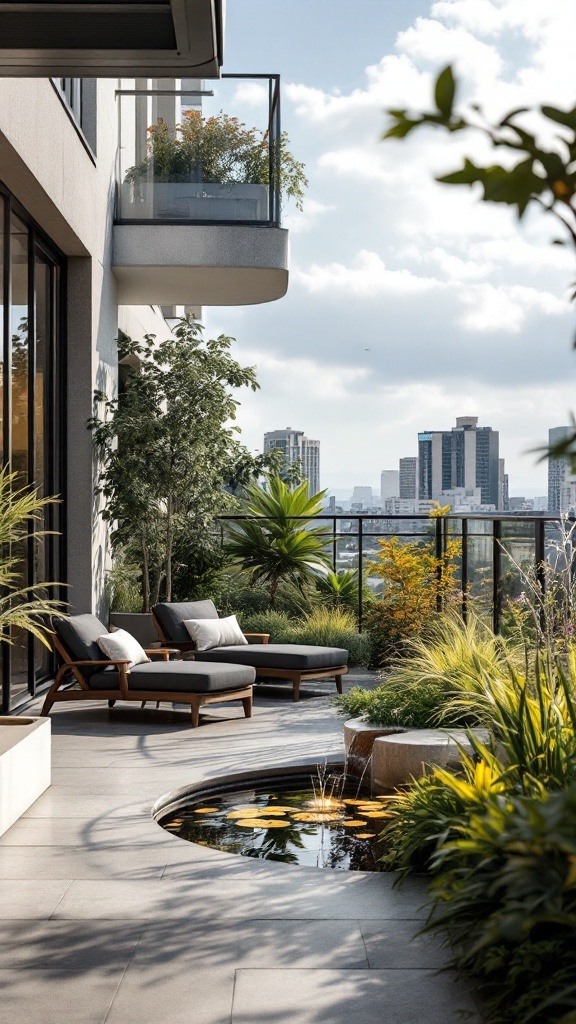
172,615
297,657
180,676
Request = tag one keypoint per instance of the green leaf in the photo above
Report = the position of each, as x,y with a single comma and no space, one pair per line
445,91
565,117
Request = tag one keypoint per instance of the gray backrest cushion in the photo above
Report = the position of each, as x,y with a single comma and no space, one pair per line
171,615
79,634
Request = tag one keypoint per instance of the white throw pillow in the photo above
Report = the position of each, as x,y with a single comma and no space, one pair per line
121,644
208,633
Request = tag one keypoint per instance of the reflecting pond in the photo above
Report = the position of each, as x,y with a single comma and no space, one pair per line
292,825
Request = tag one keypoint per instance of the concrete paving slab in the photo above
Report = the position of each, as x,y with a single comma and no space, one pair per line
89,832
156,996
67,945
136,862
338,997
328,944
77,997
396,944
36,898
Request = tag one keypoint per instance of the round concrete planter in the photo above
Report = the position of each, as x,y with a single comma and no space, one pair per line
398,759
359,737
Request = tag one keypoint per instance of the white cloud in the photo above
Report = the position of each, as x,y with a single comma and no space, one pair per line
367,276
505,309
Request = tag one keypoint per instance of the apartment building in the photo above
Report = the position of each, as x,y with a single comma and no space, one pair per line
86,249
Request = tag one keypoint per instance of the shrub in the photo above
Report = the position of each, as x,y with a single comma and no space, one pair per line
439,680
324,627
505,897
415,582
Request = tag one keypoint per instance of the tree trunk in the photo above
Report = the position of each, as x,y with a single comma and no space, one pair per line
145,575
169,543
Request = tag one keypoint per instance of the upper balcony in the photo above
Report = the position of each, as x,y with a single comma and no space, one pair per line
199,175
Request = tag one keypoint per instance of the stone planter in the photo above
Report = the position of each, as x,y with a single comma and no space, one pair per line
359,737
398,759
25,765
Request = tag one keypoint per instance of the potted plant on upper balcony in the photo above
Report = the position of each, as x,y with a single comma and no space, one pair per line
211,168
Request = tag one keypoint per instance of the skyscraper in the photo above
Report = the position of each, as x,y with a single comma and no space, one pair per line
389,484
464,457
560,474
408,472
297,448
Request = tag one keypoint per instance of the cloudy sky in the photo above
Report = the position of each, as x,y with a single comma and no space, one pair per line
409,303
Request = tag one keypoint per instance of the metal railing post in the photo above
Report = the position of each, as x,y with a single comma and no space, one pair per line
464,570
360,574
496,574
438,549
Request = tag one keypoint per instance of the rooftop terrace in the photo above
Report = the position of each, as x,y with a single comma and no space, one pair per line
108,918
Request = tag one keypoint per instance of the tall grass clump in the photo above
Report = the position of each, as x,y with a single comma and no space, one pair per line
323,627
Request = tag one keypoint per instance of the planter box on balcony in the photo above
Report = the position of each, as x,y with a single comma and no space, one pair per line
25,749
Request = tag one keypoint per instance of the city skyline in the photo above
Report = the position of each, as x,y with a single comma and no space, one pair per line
408,301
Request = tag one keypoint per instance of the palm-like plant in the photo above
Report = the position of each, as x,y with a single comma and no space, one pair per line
21,607
274,545
339,589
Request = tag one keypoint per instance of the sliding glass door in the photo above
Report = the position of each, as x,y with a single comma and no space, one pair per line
31,305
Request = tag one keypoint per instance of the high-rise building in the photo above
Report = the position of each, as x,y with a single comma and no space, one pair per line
560,475
297,448
362,497
389,484
464,457
408,479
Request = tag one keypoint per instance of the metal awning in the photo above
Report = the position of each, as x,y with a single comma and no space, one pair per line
116,39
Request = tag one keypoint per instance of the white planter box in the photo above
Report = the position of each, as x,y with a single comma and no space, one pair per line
25,764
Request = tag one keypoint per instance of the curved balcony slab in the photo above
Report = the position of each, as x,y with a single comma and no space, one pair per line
199,264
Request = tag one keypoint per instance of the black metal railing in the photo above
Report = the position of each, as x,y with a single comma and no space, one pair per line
494,551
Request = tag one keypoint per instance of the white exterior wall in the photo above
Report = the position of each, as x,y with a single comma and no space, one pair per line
69,192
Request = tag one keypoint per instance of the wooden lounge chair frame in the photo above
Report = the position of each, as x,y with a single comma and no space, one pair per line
294,676
70,667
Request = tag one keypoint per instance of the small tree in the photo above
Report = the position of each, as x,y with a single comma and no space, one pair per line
275,545
416,583
166,450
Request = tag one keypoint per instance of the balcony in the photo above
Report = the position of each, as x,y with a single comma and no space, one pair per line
197,218
157,38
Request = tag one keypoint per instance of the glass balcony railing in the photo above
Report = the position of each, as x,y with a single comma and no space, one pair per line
202,156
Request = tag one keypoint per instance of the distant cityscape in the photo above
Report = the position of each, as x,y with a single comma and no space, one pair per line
460,467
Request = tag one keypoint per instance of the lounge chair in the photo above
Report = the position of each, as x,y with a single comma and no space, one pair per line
100,678
294,662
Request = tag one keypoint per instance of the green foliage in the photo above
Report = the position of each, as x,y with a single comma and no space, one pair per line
505,896
339,589
123,589
437,680
275,544
324,627
219,149
166,450
543,176
22,608
416,584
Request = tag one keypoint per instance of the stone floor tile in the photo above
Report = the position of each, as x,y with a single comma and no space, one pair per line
339,997
159,995
396,944
67,945
301,944
88,831
55,997
136,862
31,899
